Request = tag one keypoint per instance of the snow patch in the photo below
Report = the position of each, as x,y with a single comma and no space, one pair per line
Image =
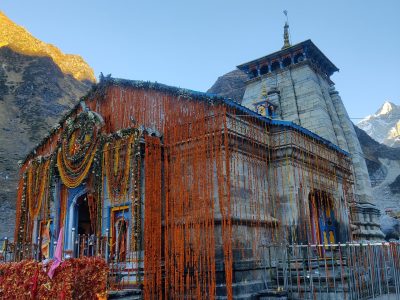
386,108
367,118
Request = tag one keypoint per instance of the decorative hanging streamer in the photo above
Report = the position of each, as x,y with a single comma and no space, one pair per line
63,205
152,225
117,167
193,142
92,211
232,186
222,184
136,200
37,185
20,208
225,205
78,148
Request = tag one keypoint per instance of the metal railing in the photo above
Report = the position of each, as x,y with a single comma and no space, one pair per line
125,267
338,271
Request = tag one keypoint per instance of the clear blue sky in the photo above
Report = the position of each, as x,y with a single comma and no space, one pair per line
190,43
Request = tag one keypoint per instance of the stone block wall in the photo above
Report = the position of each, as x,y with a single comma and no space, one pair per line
309,99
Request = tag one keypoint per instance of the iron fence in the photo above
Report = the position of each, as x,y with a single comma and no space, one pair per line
125,267
337,271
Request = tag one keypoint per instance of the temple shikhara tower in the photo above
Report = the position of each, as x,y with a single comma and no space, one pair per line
296,82
188,195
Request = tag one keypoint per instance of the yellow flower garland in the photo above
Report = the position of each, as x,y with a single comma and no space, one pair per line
37,184
112,167
78,149
73,182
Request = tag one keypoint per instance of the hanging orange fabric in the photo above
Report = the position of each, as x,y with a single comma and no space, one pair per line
92,211
152,226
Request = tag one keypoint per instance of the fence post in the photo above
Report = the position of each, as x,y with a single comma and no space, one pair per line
5,248
54,248
289,271
73,242
107,243
37,256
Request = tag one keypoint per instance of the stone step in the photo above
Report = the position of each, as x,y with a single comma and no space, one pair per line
315,277
133,294
242,288
240,297
294,265
272,294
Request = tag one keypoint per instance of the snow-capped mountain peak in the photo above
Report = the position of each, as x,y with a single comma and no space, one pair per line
384,125
386,108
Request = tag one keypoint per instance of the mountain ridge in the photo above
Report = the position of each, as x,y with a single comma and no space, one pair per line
20,40
35,92
384,125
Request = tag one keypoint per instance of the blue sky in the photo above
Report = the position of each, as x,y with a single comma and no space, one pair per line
190,43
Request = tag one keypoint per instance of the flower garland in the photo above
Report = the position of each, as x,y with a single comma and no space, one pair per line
20,210
136,208
117,165
136,237
76,278
78,148
37,185
121,167
63,205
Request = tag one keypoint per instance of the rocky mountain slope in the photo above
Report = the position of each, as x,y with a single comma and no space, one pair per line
20,40
34,93
383,162
231,85
384,125
383,165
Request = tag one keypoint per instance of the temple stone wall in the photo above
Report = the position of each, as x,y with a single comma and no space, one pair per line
306,97
302,99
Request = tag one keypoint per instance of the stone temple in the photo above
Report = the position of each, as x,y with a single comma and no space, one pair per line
296,82
192,196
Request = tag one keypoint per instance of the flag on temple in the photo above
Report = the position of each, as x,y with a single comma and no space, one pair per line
58,254
46,241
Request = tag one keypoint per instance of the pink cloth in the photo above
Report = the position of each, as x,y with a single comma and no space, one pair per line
58,254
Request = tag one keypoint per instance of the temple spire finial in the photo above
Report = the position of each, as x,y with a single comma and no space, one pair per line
286,40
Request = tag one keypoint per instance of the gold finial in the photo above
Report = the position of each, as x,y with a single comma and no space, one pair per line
286,41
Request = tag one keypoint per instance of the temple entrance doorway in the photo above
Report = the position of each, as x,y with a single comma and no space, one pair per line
84,222
121,242
119,233
83,243
322,215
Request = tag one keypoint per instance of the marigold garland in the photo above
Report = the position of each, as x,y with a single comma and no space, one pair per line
78,278
63,205
78,149
37,185
117,165
20,215
136,207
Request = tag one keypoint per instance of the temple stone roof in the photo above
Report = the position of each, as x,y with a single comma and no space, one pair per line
307,47
183,93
